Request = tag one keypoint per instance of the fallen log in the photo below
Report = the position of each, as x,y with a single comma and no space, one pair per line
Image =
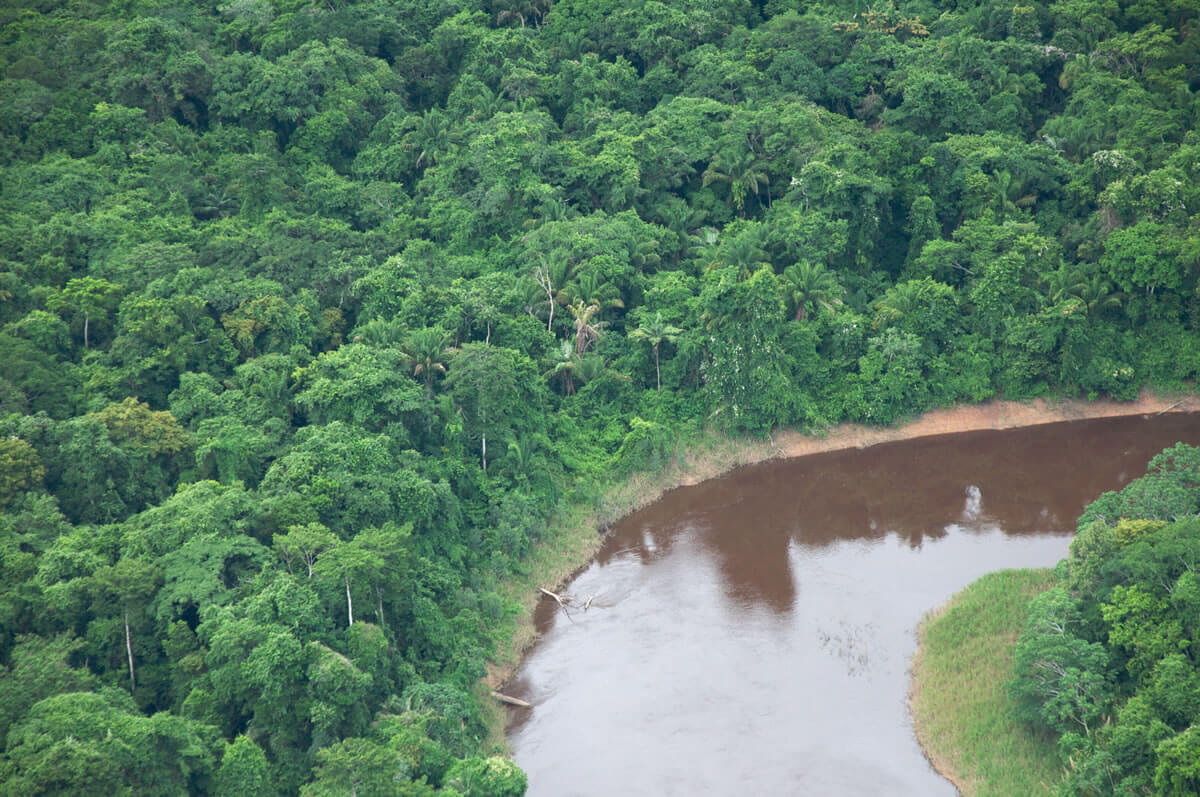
1173,406
512,701
559,599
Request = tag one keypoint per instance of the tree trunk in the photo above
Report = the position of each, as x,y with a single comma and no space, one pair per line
86,319
349,602
483,451
129,650
657,372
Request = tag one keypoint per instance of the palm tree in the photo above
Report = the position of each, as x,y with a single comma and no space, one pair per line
1062,283
655,332
431,135
807,284
565,362
742,171
526,461
378,332
485,104
1096,294
524,11
900,300
592,289
587,325
704,244
1009,196
594,366
675,215
425,350
745,251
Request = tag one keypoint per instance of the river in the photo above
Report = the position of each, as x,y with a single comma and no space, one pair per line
753,633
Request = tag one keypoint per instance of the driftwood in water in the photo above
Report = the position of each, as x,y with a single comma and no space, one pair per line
588,605
512,701
561,600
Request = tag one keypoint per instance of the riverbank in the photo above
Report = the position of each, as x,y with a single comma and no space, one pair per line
576,540
958,698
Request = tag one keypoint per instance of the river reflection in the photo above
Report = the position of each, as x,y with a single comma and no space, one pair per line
754,632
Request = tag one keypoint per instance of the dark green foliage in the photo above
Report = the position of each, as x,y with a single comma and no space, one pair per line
486,777
91,743
311,314
1107,662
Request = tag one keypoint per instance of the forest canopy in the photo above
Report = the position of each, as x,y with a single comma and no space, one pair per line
313,313
1107,666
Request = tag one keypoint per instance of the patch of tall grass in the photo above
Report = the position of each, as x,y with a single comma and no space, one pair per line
959,697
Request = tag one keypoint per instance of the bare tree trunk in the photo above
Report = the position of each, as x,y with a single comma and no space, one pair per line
657,372
129,650
483,437
86,319
379,595
542,275
349,602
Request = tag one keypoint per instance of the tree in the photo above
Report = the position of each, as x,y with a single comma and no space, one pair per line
344,563
655,332
208,570
552,273
748,370
359,384
129,585
426,351
492,389
1062,681
565,362
587,326
355,766
303,544
21,469
806,285
89,297
742,171
243,769
495,776
88,743
1178,770
40,667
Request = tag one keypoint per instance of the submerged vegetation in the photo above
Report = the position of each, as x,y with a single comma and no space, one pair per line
314,314
1104,679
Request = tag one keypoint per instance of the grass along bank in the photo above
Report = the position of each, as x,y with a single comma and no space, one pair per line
959,698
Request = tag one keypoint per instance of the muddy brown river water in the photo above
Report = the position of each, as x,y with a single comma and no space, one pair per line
752,634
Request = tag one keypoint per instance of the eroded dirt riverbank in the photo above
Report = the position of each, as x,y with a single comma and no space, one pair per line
991,415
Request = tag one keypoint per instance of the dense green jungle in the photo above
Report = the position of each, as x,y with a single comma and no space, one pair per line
314,312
